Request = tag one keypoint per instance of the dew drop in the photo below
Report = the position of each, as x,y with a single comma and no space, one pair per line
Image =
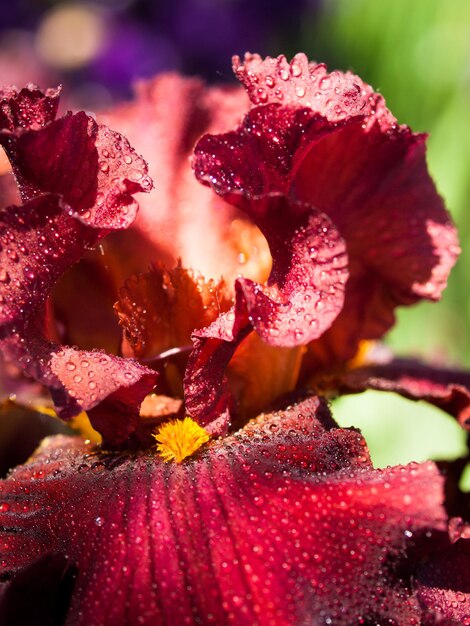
99,521
70,366
104,167
4,276
296,70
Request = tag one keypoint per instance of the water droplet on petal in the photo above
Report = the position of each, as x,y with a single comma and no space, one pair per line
4,276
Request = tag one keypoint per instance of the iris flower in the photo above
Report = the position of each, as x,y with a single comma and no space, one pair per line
222,491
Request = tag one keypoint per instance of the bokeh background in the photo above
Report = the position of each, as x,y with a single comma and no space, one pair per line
416,53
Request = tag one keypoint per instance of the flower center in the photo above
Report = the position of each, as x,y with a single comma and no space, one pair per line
179,439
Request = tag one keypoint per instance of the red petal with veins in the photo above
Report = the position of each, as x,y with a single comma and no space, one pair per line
302,297
276,524
378,183
445,388
75,190
338,149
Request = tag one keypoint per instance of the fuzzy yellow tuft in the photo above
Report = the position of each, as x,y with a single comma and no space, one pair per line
179,439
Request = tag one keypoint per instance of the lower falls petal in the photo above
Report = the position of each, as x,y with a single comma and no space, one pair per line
284,522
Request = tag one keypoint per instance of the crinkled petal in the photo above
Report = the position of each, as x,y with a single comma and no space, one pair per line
51,232
360,169
29,107
276,524
303,296
336,96
445,388
93,168
160,309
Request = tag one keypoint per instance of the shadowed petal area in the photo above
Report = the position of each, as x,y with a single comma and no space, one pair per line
160,309
69,206
342,153
443,583
276,524
445,388
302,297
48,585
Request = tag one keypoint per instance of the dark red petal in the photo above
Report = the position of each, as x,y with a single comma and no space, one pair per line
368,175
93,168
274,525
445,388
262,155
303,296
443,583
336,96
48,585
92,172
39,240
375,182
108,388
29,107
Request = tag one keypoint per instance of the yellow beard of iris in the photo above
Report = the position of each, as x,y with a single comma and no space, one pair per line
179,439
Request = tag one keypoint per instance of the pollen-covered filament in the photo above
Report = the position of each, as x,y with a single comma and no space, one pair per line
179,439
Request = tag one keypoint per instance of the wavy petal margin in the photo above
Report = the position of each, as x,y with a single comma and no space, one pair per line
76,179
328,141
276,524
302,297
305,290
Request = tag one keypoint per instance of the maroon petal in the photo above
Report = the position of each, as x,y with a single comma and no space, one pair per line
92,168
342,153
336,96
48,234
445,388
303,296
276,524
29,107
443,584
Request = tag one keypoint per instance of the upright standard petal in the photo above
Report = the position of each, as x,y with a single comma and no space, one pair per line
253,169
75,189
362,170
164,121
